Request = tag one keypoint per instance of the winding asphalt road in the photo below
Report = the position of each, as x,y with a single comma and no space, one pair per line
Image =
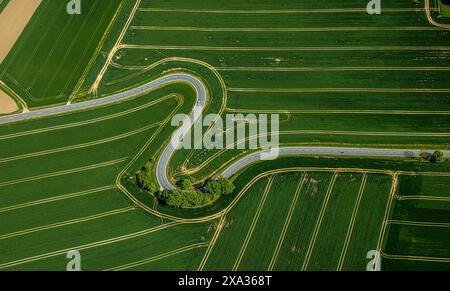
201,92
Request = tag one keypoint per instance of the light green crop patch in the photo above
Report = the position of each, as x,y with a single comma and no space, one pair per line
444,9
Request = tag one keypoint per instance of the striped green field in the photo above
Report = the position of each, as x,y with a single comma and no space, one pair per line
334,74
329,69
53,52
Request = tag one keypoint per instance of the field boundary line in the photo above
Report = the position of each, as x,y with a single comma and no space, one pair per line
159,257
285,29
277,11
418,223
253,224
337,48
415,258
318,224
423,197
89,245
67,222
342,111
339,90
287,221
63,172
330,69
212,243
352,223
57,198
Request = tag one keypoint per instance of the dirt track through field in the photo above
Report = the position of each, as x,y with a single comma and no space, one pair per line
13,21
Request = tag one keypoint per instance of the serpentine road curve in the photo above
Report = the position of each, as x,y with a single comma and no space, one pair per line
202,95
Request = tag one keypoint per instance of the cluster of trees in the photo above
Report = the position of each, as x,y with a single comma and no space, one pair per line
436,157
186,195
144,178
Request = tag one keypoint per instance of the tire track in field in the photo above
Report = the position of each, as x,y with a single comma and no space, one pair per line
352,223
64,172
89,245
253,225
319,222
280,11
159,257
67,222
57,198
82,145
287,222
278,49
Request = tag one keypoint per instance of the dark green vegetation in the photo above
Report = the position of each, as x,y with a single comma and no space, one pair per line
187,195
53,52
435,157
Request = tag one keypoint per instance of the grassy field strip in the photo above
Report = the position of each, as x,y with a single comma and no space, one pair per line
344,111
83,145
430,198
253,224
114,49
286,29
89,246
419,223
323,69
319,222
387,214
57,198
287,222
159,257
84,122
211,244
280,49
281,11
415,258
352,222
65,172
68,222
339,90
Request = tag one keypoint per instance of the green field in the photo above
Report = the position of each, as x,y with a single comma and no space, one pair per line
335,75
53,52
